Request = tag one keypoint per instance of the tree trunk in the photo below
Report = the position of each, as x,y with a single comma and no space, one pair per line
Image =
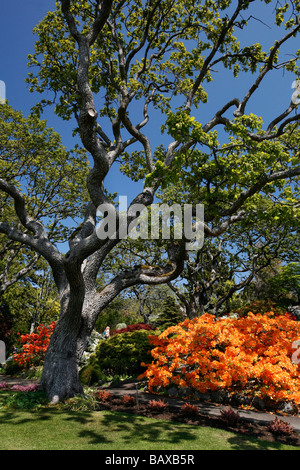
60,378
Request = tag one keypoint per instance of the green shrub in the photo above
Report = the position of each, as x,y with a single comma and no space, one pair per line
26,400
86,402
13,368
91,373
123,353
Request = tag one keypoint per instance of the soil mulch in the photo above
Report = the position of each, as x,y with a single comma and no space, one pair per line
244,427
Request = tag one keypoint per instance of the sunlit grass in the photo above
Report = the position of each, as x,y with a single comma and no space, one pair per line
48,429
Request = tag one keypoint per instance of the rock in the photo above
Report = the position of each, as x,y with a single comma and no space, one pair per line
239,400
258,403
220,396
286,407
201,396
173,392
185,392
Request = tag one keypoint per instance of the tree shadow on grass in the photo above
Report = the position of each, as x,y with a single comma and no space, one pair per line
239,442
128,431
80,424
134,431
137,429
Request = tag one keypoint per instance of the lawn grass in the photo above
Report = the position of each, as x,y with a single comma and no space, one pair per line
49,429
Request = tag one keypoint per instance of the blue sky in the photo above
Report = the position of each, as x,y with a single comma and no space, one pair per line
18,18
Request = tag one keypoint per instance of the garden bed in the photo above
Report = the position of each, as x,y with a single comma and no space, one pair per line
158,408
168,412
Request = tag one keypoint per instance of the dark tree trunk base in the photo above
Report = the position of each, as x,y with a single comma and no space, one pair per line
60,379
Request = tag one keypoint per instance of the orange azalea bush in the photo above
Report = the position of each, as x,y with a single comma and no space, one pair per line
252,353
34,346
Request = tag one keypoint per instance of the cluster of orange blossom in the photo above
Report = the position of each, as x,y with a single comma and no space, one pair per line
34,346
252,353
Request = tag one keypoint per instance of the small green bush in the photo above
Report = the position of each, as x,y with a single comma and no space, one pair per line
91,373
123,354
13,368
86,402
26,400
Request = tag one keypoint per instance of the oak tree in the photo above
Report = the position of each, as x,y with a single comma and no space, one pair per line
111,65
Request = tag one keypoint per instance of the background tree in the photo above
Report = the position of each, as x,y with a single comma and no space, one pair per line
105,60
226,264
151,301
146,301
279,283
287,282
33,158
170,315
122,309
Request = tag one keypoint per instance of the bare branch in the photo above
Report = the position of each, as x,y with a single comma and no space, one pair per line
6,282
65,7
224,225
226,27
105,7
269,65
134,131
28,222
142,275
145,35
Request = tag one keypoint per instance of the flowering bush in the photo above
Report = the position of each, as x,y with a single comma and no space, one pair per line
104,396
128,400
251,353
25,388
3,385
94,340
34,346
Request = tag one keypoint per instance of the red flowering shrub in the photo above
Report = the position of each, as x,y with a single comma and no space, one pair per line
189,410
134,327
104,395
229,416
252,353
34,346
157,405
128,400
280,427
